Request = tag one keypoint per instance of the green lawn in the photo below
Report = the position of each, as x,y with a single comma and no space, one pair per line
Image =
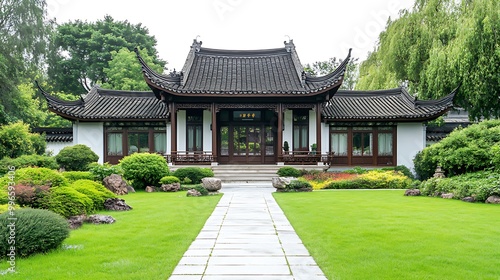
145,243
381,234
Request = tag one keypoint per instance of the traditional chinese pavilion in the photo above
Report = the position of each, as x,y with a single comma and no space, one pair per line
247,107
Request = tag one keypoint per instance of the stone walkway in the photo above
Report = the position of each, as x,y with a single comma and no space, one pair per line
247,237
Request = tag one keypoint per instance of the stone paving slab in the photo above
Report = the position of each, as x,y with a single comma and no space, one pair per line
247,237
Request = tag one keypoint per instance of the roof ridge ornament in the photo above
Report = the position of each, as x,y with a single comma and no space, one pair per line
196,44
289,46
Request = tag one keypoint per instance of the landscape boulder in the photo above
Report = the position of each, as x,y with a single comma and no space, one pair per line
116,184
212,185
447,195
170,187
469,199
282,182
76,221
149,189
494,199
100,219
412,192
116,204
193,192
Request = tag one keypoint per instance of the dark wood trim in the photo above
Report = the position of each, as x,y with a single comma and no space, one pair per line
214,132
280,131
173,128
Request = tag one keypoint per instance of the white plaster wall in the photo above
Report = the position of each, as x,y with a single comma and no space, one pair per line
90,134
312,128
410,140
288,132
207,133
325,138
53,148
169,138
181,130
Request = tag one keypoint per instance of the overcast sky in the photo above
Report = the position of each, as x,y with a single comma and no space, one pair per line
320,29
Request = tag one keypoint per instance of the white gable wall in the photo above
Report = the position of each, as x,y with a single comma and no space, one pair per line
90,134
410,140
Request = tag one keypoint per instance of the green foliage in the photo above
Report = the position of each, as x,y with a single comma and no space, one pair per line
34,176
195,174
82,50
299,185
36,231
76,158
169,180
16,140
436,46
27,161
289,171
470,149
73,176
123,69
95,191
401,168
68,202
356,170
101,171
479,185
144,169
286,147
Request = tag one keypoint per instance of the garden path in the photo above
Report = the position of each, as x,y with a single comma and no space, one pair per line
247,237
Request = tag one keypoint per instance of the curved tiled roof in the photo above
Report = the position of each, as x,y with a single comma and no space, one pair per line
266,73
384,105
103,104
55,134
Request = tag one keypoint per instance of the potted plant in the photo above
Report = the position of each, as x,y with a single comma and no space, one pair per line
314,147
286,148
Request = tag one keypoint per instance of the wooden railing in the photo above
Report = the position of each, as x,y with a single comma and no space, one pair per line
185,157
306,157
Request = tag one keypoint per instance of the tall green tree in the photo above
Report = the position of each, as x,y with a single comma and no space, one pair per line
82,50
24,31
124,72
437,45
321,68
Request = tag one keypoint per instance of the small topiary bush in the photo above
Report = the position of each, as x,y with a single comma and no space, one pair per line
95,191
76,158
101,171
72,176
144,169
36,177
169,180
27,161
299,186
195,174
67,202
289,171
36,231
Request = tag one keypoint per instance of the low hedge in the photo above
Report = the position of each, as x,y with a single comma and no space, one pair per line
73,176
36,177
194,174
27,161
479,185
289,171
373,179
36,231
169,180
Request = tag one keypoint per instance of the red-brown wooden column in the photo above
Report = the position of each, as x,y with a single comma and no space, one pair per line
318,127
214,132
280,131
173,127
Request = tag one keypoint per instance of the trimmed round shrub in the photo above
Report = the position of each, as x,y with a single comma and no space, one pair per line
169,180
195,174
289,171
32,196
28,161
76,158
101,171
68,202
36,177
144,169
73,176
36,231
95,191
